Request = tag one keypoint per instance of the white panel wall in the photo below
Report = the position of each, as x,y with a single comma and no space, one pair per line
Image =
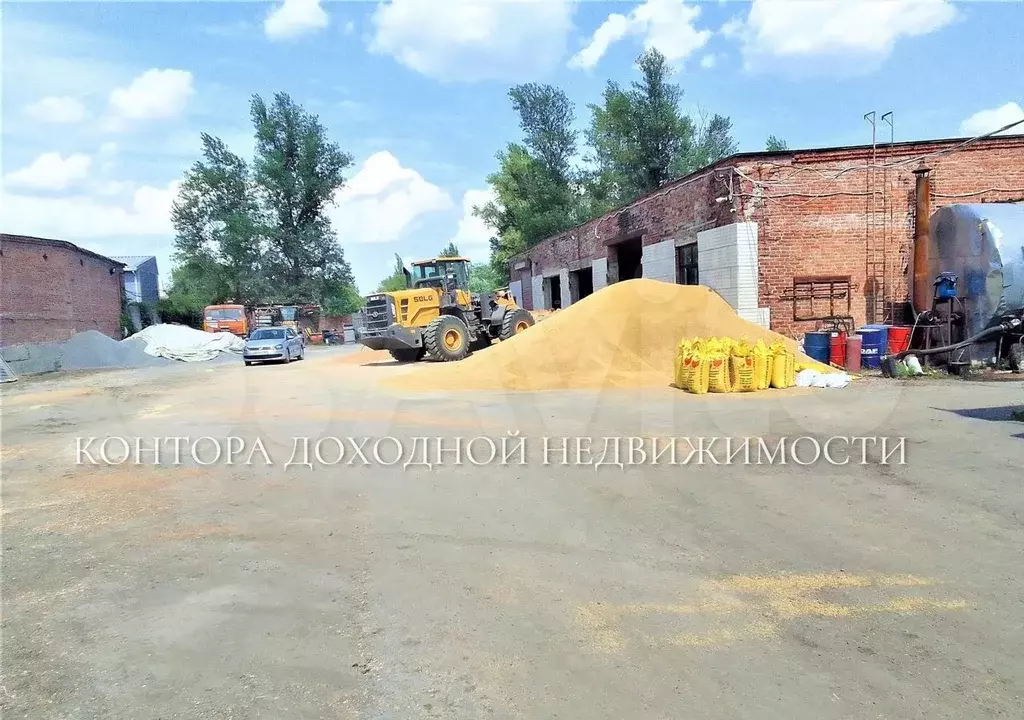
538,293
516,288
760,316
727,263
563,286
746,265
659,261
600,270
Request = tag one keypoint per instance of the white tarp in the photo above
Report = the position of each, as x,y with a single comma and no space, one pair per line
813,378
179,342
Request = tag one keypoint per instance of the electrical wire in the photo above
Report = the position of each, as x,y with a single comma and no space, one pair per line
980,192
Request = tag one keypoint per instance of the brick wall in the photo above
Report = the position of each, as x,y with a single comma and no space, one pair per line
819,213
813,214
48,292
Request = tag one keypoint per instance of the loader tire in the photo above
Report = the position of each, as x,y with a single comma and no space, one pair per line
407,355
515,322
447,338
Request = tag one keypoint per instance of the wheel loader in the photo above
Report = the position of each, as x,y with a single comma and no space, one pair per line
437,315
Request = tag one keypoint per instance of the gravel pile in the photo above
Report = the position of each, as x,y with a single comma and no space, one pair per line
89,350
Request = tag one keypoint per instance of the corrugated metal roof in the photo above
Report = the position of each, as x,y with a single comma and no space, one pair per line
133,261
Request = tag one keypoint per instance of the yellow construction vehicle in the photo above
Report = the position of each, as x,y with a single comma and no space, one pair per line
437,315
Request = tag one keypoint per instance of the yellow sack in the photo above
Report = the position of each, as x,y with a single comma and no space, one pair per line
718,373
741,369
693,376
762,365
783,367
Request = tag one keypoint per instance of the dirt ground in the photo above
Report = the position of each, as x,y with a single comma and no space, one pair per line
790,591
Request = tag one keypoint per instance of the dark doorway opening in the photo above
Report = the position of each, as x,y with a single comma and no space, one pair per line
554,292
629,259
687,272
581,284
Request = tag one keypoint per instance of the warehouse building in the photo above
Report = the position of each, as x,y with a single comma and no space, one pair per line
52,289
787,238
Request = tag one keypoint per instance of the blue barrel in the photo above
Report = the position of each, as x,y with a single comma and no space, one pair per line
883,343
872,347
817,345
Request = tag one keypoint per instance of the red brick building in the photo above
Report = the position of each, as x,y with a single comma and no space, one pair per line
51,289
785,237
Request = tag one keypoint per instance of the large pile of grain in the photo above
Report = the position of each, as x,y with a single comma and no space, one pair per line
623,336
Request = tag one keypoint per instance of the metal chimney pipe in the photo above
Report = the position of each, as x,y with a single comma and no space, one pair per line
921,287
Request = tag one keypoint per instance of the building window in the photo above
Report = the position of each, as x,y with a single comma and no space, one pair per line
686,265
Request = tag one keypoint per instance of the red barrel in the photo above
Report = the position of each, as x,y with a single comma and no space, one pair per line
837,348
853,346
899,339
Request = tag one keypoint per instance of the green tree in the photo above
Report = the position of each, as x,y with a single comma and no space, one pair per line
396,280
451,250
713,142
217,230
639,135
536,189
347,301
297,171
775,144
546,116
483,278
639,138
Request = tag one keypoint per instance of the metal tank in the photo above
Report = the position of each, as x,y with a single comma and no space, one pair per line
984,246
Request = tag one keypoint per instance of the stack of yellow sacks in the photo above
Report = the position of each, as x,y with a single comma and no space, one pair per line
724,365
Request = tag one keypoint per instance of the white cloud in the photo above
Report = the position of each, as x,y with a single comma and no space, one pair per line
473,236
154,95
87,217
856,35
708,61
471,40
294,18
667,25
383,200
50,171
985,121
613,29
57,110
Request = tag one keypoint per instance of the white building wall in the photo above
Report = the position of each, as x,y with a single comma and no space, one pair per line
516,288
538,293
659,261
727,263
563,287
600,271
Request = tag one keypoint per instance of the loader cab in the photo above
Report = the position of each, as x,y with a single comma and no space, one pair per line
443,273
450,276
435,271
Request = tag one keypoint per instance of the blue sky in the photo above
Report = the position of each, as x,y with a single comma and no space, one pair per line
103,103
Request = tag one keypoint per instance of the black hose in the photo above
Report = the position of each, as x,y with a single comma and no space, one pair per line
956,346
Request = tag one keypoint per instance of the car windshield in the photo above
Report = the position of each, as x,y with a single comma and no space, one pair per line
268,334
224,314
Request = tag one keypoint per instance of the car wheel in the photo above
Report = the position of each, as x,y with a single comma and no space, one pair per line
248,363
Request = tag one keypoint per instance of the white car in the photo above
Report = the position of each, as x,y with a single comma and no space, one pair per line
280,344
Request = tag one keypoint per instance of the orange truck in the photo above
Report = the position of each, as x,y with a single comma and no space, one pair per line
227,318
